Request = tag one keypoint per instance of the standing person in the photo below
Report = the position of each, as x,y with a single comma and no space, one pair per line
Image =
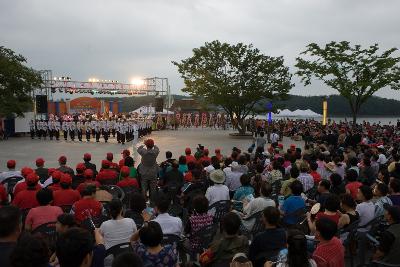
274,138
72,128
32,129
87,158
97,130
148,168
65,129
63,166
41,171
88,130
79,128
10,230
260,141
57,128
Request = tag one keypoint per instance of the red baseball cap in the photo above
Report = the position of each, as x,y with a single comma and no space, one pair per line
62,159
126,152
188,151
32,178
25,171
149,142
56,175
80,167
87,156
125,171
39,162
88,173
11,164
110,156
66,178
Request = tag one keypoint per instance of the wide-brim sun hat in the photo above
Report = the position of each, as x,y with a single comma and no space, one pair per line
217,176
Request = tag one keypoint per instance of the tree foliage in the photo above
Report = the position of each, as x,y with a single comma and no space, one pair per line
234,77
355,72
17,81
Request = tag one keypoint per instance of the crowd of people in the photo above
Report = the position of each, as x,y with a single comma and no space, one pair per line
335,200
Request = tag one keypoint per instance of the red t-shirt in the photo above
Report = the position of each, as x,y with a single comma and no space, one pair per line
190,158
82,186
128,182
23,186
64,197
84,206
26,199
329,254
54,187
106,174
353,188
121,163
3,193
188,177
316,176
41,215
205,158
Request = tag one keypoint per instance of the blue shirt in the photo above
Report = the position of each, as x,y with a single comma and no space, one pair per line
183,168
290,205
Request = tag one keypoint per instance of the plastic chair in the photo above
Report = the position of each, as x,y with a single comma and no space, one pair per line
258,225
10,183
118,249
170,239
116,191
220,208
47,231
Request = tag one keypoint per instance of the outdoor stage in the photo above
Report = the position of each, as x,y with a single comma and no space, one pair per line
25,151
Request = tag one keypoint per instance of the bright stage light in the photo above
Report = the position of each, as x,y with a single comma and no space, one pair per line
137,82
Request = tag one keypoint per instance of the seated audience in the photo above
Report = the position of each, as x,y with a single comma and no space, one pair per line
170,225
352,183
366,208
10,230
126,180
89,180
30,251
218,191
43,214
137,204
380,198
87,206
348,206
243,191
127,259
293,204
26,199
66,196
394,189
63,166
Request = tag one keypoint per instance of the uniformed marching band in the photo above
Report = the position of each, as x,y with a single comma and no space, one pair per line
81,127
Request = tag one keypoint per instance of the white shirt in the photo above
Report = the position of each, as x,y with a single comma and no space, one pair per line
366,210
382,159
8,174
117,231
217,193
169,225
233,180
274,138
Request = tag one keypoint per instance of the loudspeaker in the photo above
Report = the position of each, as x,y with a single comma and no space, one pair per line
159,104
41,103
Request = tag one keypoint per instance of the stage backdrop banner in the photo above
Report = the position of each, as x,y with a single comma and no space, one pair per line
85,104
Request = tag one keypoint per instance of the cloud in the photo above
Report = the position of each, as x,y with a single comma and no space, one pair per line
122,39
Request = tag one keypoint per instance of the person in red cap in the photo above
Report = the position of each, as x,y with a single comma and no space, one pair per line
113,166
63,166
11,171
87,206
125,153
56,181
148,168
126,180
205,156
106,175
22,185
218,154
189,156
66,196
78,177
41,171
87,158
89,180
26,199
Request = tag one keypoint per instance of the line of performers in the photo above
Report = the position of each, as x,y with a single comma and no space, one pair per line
212,120
124,130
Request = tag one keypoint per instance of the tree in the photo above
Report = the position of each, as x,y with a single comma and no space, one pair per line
355,72
234,77
17,82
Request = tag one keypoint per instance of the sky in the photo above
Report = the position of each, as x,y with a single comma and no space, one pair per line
130,39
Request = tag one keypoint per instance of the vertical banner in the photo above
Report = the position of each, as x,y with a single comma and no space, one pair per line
324,111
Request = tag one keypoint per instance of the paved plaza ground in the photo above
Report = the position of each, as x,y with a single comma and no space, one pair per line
25,151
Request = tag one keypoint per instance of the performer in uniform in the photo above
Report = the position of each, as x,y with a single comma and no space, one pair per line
65,129
79,128
32,129
88,126
105,130
57,127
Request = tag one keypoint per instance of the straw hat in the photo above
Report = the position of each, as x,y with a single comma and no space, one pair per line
217,176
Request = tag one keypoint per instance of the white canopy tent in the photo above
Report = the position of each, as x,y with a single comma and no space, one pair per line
286,113
150,110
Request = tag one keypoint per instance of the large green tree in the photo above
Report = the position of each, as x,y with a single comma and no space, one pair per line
234,77
355,72
17,82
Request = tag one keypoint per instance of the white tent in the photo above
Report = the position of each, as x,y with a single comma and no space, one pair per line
286,113
149,110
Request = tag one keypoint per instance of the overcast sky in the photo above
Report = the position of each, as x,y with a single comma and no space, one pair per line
126,39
